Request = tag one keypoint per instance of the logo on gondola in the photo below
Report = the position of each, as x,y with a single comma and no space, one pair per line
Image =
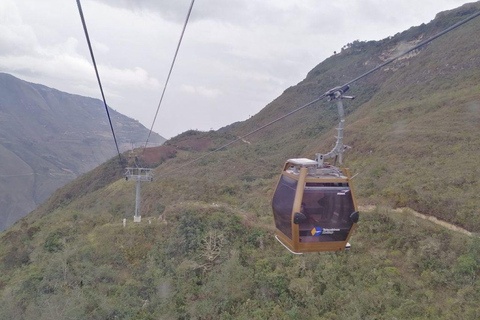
316,231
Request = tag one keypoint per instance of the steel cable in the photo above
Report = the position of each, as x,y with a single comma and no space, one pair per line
170,72
98,76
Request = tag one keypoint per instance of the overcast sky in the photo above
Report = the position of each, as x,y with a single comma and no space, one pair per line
236,55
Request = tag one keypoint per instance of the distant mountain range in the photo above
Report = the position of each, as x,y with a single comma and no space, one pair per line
49,137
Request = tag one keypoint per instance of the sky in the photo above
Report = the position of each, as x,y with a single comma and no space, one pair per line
235,58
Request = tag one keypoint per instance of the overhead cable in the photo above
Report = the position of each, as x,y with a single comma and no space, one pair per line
328,93
170,72
98,76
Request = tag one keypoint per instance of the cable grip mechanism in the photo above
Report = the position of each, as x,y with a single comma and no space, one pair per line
336,94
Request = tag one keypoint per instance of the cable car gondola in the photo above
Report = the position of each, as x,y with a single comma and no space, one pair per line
314,204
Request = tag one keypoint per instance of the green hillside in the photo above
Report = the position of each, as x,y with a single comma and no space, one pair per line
209,252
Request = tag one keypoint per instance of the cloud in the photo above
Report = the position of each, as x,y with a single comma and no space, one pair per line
64,62
176,10
201,90
15,36
100,47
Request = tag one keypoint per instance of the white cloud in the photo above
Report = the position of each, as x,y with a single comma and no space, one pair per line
202,91
100,47
62,61
15,36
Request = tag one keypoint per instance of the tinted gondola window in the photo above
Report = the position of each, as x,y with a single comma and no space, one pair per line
282,204
328,211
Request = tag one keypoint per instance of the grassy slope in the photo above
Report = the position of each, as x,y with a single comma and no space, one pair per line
211,252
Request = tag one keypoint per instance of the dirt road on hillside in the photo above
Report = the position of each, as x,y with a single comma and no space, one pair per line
444,224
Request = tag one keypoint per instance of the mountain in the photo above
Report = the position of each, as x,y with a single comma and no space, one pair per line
47,138
205,247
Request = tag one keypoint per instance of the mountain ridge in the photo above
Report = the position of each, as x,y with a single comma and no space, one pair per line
48,138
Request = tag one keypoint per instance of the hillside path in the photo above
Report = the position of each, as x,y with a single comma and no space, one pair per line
433,219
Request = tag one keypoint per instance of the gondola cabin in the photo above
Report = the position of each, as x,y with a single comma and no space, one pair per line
314,207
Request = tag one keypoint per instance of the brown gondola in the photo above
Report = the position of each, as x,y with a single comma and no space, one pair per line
314,204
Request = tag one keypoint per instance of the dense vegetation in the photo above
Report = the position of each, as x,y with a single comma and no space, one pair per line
211,261
205,249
